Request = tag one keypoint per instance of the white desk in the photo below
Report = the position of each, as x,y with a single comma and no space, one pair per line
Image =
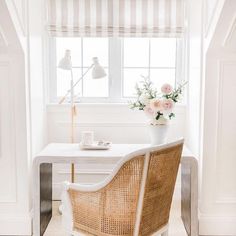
70,153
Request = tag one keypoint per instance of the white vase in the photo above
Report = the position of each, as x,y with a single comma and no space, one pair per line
158,133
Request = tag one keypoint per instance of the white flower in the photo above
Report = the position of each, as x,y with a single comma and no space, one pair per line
144,99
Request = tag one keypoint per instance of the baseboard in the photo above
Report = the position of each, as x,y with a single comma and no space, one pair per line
212,225
15,225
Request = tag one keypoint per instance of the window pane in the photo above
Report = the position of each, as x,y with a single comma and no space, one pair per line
131,77
95,47
92,47
95,87
73,44
161,76
163,52
63,82
136,51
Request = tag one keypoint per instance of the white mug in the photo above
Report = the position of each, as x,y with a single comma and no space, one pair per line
87,138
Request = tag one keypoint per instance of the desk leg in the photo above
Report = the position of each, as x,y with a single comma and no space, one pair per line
189,195
45,196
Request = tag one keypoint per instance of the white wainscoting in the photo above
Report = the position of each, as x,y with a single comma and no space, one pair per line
14,182
7,137
218,188
218,194
226,135
113,122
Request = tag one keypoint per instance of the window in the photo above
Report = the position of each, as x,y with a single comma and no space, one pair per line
125,61
155,58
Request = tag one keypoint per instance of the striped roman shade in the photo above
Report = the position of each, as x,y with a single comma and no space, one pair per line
115,18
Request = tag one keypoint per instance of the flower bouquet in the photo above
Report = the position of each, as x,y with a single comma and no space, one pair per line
157,105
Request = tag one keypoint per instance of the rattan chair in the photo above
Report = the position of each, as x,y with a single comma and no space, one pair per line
134,200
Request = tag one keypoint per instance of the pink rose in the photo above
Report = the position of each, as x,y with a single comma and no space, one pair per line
166,89
156,104
148,111
167,104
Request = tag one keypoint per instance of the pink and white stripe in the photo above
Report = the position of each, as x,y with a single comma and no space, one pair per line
116,18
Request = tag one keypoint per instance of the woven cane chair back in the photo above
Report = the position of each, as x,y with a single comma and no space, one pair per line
111,210
160,182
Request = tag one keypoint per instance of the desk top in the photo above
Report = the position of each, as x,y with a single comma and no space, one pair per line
58,152
73,150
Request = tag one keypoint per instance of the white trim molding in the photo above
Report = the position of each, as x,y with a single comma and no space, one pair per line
231,34
209,16
3,38
17,9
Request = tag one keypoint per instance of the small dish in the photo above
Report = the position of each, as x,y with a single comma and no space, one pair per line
97,145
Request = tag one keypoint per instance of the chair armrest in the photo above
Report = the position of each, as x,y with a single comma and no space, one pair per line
106,181
95,187
108,207
85,187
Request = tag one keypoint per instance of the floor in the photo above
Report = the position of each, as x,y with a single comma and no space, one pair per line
176,225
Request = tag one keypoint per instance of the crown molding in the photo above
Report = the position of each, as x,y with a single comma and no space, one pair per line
229,40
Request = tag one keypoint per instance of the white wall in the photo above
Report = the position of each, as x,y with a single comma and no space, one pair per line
114,122
218,188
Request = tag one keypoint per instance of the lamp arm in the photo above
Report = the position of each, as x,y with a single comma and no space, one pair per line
69,91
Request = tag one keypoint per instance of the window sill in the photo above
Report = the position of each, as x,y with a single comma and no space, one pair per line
54,107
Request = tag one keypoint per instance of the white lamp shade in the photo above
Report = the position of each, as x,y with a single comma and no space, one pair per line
98,71
65,63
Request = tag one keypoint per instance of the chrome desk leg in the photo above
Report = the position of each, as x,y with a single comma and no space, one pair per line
189,194
45,196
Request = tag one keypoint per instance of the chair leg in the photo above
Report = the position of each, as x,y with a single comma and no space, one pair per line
165,233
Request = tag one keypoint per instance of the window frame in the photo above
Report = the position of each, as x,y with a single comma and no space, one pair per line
115,72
